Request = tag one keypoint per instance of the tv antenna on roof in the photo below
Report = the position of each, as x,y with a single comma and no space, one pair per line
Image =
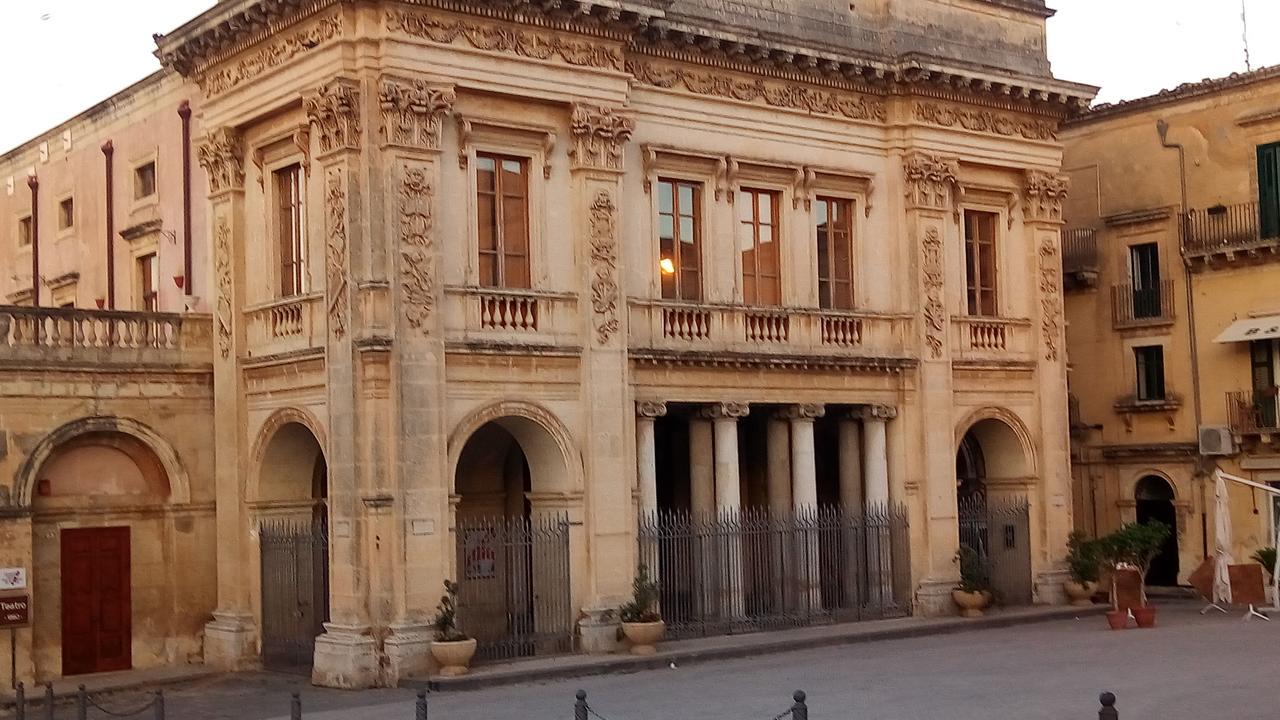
1244,31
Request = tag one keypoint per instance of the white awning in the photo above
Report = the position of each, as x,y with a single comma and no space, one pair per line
1259,328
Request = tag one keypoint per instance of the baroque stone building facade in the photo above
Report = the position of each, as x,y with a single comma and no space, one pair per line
574,266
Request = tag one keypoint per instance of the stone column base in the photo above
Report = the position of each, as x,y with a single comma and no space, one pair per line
408,651
933,597
598,631
346,657
1049,587
229,642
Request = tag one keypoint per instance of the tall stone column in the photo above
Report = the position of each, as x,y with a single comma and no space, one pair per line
933,226
724,419
702,478
229,637
804,498
849,438
646,455
1051,501
879,542
779,471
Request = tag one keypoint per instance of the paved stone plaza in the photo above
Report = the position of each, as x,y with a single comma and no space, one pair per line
1189,667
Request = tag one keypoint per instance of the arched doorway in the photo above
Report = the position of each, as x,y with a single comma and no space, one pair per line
1153,497
512,540
993,514
293,539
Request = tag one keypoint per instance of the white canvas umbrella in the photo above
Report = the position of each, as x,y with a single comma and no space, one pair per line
1222,542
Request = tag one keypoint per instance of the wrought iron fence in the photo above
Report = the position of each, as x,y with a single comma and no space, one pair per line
998,529
1079,250
1224,228
513,585
1252,411
757,569
1132,306
295,589
84,703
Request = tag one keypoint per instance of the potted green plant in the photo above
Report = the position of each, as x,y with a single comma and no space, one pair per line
1136,545
1266,557
1084,566
451,647
973,595
641,622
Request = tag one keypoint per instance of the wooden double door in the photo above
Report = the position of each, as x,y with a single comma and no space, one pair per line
97,628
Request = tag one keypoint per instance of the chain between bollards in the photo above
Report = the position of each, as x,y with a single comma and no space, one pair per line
1108,710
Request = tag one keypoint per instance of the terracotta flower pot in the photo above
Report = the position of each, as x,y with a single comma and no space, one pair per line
454,657
1118,619
644,636
1080,594
1145,616
971,604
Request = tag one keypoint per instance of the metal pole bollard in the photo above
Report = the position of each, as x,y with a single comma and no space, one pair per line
420,708
20,698
48,701
800,710
82,703
295,706
159,706
1108,710
580,706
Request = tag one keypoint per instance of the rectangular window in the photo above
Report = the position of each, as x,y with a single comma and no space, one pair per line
24,231
1150,366
144,181
502,220
758,245
1263,377
148,282
834,220
291,236
1269,190
980,261
1144,272
66,214
679,248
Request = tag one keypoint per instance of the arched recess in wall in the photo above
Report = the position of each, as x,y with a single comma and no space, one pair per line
287,456
555,465
27,476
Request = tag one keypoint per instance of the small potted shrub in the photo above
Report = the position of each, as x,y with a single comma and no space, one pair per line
1136,545
1083,564
641,623
973,594
451,647
1266,557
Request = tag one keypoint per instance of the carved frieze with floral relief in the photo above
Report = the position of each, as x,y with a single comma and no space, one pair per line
599,136
334,110
222,270
336,252
417,248
931,180
1045,193
222,159
984,121
1050,298
935,316
413,112
604,266
274,54
526,42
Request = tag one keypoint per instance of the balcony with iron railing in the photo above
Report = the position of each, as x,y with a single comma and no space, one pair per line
61,336
1253,412
976,339
1079,258
1226,231
1141,307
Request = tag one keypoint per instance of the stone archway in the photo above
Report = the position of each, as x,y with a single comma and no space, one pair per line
1154,501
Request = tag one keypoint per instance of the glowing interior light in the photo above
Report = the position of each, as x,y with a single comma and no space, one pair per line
667,266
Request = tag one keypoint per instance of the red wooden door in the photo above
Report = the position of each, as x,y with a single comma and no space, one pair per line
97,633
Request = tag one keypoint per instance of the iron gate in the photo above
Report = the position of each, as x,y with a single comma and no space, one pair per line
513,585
998,529
756,569
295,590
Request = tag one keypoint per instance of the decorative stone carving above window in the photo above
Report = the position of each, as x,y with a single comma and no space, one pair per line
469,126
984,121
537,44
413,112
1045,193
334,110
931,180
222,158
599,135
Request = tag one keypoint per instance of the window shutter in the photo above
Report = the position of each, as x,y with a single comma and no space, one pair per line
1269,190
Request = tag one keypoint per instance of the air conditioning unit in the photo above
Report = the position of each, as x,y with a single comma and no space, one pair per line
1216,440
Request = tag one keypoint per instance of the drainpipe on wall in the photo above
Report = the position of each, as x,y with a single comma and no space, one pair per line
108,153
34,184
184,112
1162,127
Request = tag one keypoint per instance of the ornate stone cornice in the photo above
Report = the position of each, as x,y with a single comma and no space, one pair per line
984,121
651,408
733,410
334,110
1044,194
533,43
222,159
273,54
599,134
931,180
413,112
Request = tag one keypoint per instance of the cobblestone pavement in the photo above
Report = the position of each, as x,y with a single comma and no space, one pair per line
1189,667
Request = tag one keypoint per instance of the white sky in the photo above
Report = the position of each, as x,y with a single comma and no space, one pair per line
62,56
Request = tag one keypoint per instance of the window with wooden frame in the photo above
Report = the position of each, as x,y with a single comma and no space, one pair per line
758,245
290,229
24,231
502,220
148,282
1149,361
833,218
679,239
980,261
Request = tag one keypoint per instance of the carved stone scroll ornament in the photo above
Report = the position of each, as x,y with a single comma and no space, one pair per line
334,110
336,252
931,180
604,266
984,121
222,159
599,136
417,263
1050,298
1045,193
222,269
525,42
282,49
412,113
934,313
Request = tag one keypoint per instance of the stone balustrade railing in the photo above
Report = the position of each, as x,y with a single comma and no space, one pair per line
103,336
990,338
536,317
286,325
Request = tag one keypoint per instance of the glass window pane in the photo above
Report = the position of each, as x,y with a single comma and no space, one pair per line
517,271
488,269
486,222
686,199
745,206
766,207
485,174
666,227
687,234
515,237
665,200
690,284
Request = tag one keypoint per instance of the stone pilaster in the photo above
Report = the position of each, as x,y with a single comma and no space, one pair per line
646,459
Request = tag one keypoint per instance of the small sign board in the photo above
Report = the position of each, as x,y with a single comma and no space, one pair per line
15,611
13,578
